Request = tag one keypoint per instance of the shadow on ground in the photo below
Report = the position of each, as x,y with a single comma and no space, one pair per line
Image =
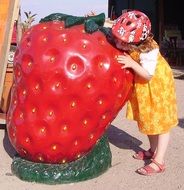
116,136
8,146
181,123
123,140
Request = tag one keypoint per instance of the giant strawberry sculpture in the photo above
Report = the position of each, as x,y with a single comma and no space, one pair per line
67,89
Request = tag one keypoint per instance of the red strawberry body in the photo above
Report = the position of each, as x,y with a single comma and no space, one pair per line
67,88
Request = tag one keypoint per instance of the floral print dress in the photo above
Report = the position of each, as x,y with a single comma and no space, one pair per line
153,104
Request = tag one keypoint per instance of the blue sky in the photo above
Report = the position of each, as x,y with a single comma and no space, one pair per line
74,7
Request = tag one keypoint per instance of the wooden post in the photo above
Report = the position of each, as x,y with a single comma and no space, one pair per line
161,20
9,10
2,118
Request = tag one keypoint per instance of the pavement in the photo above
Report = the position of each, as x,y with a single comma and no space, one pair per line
124,139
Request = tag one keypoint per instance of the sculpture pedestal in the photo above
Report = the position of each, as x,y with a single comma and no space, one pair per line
89,166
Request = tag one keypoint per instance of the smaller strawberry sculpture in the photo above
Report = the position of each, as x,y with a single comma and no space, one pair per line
68,87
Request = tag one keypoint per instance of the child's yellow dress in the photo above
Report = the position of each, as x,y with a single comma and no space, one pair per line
153,104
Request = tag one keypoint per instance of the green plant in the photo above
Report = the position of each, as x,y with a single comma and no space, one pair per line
30,18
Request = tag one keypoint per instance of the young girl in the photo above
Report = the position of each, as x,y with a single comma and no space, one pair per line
153,101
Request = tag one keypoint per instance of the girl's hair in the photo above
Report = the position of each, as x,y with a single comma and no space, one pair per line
145,46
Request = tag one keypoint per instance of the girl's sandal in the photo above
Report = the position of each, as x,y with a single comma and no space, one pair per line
144,155
148,170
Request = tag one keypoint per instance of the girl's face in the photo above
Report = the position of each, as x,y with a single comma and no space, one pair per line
121,45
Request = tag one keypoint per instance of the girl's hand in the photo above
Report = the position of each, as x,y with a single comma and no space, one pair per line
126,60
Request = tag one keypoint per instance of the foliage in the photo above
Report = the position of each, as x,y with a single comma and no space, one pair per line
30,18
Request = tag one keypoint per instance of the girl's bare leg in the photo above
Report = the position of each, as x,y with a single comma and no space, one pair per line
153,140
163,141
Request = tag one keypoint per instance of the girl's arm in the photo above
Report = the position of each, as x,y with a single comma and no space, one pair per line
128,62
